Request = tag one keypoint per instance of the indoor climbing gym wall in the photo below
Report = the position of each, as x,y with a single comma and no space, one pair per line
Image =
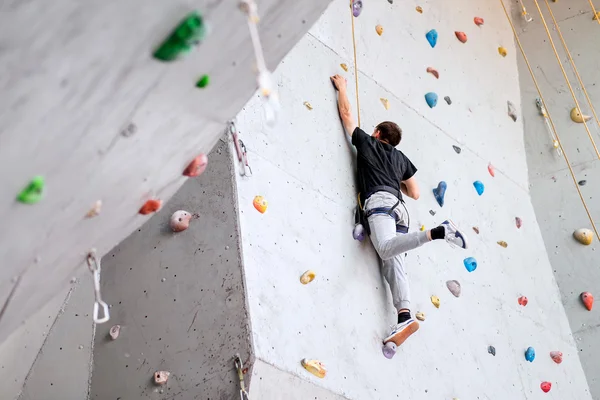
505,334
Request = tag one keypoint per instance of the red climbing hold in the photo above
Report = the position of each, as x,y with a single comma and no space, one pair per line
478,21
491,170
151,206
523,301
461,36
556,356
433,72
546,386
197,166
588,300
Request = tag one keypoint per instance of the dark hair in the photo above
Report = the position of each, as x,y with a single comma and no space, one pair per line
389,132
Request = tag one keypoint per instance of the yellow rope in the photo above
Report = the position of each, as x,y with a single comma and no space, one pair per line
562,39
355,65
594,10
535,82
566,78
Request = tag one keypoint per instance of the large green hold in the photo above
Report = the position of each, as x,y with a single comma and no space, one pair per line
188,33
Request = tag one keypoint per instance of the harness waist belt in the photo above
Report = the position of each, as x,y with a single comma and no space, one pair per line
382,188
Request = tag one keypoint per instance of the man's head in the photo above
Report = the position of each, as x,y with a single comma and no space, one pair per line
388,132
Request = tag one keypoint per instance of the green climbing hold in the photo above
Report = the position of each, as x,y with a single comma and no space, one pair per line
203,82
189,32
34,192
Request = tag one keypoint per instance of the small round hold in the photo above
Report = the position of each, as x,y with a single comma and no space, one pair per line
114,331
420,316
150,206
419,9
197,166
379,30
358,233
161,377
556,356
180,220
502,51
546,386
523,301
389,350
307,277
357,7
203,81
260,204
470,264
582,182
530,354
478,21
584,236
461,36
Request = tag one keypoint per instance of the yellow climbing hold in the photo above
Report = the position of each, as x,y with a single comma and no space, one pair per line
315,367
576,116
422,228
344,67
420,316
435,301
502,51
503,243
308,105
307,277
584,236
379,30
596,16
419,9
385,103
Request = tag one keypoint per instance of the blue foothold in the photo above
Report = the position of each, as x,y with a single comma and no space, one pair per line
431,99
479,187
439,192
432,37
530,354
470,264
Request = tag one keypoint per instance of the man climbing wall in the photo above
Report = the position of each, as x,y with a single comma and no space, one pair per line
384,174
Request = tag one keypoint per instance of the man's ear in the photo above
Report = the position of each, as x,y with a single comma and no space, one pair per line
376,134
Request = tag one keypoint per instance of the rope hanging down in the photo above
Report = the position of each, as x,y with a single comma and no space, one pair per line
535,82
596,16
355,65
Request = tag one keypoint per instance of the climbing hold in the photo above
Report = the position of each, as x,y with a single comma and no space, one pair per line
576,116
587,299
260,204
584,236
479,187
385,103
476,229
357,7
344,67
470,264
431,99
478,21
114,332
502,51
161,377
307,277
523,301
461,36
379,30
308,105
432,36
433,72
95,210
33,192
180,220
530,354
518,222
422,228
456,149
440,192
582,182
503,243
358,233
315,367
435,301
492,350
150,206
391,1
448,99
419,9
512,111
491,170
203,81
454,287
197,166
432,212
556,356
596,16
420,316
189,32
546,386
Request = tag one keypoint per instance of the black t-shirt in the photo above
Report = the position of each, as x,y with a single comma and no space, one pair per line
379,164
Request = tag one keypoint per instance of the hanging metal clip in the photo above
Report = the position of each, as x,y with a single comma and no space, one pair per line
94,267
240,149
239,368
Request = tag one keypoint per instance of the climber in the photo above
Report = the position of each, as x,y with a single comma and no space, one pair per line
384,174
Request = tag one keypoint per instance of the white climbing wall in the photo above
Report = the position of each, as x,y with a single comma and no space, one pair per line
305,169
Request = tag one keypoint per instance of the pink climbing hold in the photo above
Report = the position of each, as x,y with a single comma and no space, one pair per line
518,222
478,21
491,170
523,301
461,36
556,356
546,386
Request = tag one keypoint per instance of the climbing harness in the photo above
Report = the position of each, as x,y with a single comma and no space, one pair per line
237,361
240,149
94,266
362,218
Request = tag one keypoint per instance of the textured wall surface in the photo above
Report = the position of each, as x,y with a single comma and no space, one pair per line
304,168
557,205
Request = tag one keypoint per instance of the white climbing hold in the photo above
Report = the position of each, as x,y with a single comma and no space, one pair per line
161,377
114,332
180,220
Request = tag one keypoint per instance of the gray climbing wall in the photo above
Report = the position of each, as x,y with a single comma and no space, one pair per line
557,205
304,169
85,105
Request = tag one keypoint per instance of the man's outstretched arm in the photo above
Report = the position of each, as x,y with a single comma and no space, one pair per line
410,188
339,82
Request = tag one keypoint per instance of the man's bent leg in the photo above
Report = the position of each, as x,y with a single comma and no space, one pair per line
388,242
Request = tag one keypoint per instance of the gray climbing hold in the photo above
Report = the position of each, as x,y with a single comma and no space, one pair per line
454,287
448,100
391,1
512,111
457,149
432,212
582,182
492,350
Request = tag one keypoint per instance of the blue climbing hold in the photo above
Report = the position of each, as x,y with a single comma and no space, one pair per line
470,264
530,354
479,187
432,37
439,192
431,99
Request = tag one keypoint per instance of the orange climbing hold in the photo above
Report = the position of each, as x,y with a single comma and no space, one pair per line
379,30
197,166
502,51
433,72
260,204
588,300
478,21
151,206
461,36
315,367
419,9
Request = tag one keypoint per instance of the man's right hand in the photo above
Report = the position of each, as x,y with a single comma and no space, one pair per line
339,82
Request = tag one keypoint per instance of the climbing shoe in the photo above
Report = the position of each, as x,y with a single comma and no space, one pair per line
454,236
401,332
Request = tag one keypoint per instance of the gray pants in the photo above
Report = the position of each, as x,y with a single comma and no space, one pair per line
391,246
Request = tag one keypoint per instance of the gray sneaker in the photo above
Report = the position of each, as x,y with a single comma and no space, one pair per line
454,236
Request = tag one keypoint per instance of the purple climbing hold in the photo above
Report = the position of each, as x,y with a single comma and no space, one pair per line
431,99
357,6
432,36
530,354
479,187
440,192
358,233
470,264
